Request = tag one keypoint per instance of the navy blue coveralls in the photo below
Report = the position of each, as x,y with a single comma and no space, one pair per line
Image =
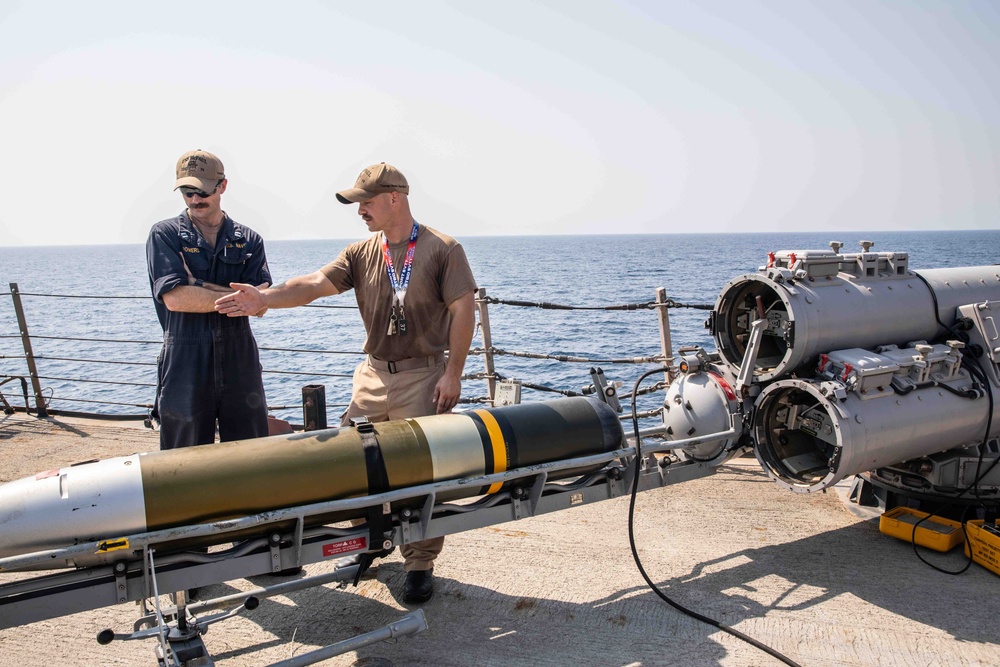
209,369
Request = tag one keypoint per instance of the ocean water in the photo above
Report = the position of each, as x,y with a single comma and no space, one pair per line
592,271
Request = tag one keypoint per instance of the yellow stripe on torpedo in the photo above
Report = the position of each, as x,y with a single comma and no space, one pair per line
499,448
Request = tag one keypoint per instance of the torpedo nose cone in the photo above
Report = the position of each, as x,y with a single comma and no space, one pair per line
80,503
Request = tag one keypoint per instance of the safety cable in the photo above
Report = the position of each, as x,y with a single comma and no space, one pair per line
144,298
160,342
498,351
635,554
84,296
96,361
111,382
89,340
53,397
647,305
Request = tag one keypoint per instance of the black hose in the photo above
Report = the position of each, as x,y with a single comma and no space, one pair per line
635,554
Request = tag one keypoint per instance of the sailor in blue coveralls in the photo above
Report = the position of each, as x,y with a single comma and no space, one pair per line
209,369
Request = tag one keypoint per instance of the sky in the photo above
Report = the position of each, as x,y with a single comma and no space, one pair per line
507,118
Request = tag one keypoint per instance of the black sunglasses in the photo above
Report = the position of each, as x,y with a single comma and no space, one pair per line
189,192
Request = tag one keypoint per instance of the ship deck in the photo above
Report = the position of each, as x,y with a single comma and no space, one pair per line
802,574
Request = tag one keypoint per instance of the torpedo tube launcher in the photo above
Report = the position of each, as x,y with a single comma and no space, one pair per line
853,363
829,365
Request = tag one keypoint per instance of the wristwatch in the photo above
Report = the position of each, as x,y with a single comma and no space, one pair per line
198,282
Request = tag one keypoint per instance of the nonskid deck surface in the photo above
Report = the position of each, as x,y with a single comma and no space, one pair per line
799,573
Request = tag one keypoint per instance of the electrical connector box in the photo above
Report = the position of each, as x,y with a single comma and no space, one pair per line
871,373
936,533
985,546
508,393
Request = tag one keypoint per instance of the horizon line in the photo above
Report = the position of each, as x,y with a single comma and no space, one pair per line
595,234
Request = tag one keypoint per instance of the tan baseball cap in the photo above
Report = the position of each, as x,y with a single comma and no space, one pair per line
199,169
375,180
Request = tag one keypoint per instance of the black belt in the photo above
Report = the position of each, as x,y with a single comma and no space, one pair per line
409,364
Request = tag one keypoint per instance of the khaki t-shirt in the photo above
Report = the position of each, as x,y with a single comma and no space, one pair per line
439,275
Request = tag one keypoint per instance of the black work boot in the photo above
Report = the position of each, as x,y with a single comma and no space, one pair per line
419,586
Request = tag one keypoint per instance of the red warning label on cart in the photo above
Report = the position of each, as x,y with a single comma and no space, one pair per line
354,544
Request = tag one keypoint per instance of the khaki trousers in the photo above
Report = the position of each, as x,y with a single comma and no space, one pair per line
383,396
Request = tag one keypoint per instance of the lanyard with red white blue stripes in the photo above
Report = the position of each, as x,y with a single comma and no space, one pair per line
399,284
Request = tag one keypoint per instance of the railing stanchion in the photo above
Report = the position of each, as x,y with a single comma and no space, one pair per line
29,356
313,407
665,344
484,325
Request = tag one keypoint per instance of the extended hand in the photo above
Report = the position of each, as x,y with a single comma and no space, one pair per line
245,301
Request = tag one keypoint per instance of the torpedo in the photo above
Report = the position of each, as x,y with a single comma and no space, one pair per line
118,497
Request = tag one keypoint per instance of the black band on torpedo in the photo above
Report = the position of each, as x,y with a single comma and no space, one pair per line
487,442
510,440
378,481
485,439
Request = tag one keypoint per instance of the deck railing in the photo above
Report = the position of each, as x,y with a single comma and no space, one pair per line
32,376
